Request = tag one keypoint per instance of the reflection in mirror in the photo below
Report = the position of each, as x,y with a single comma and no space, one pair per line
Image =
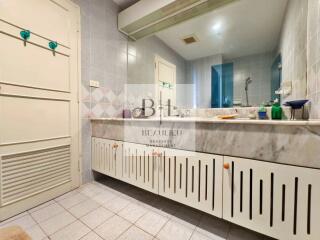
228,57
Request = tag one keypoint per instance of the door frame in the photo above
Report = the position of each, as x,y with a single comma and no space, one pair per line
158,59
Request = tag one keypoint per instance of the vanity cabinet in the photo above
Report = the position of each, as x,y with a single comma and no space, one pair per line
278,200
140,166
194,179
107,156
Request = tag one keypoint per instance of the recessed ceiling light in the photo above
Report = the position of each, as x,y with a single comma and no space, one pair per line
217,27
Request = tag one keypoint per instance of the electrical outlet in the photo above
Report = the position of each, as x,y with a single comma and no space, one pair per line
94,84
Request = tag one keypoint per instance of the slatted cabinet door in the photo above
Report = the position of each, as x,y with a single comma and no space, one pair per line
106,156
139,166
194,179
277,200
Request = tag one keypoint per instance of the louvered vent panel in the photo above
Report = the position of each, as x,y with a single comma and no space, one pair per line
139,166
274,199
30,173
194,179
104,154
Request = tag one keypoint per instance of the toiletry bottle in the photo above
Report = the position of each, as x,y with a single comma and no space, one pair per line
262,113
276,110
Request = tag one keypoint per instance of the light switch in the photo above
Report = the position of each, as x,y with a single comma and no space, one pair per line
94,84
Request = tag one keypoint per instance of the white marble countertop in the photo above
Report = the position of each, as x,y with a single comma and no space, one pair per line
216,120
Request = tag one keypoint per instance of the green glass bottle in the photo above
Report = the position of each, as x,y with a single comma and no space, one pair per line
276,110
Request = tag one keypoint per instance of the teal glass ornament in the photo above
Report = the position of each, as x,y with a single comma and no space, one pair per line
53,45
25,34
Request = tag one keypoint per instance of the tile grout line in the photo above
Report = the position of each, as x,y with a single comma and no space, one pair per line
46,236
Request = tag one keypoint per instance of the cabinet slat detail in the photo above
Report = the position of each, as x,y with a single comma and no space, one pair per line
191,178
277,200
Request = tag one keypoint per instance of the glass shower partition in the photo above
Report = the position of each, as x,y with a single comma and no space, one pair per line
222,85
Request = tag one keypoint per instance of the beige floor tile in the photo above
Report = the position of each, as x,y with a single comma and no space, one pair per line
91,236
104,196
72,200
73,231
112,228
96,217
47,212
66,195
90,189
174,231
36,233
57,222
83,208
132,212
134,233
116,204
46,204
20,215
25,221
152,222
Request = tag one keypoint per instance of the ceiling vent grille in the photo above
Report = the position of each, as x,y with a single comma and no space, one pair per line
190,39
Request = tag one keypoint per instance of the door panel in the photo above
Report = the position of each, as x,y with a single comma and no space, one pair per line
30,119
57,25
20,65
277,200
194,179
165,80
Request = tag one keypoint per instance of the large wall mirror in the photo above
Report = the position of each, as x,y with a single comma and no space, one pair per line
228,57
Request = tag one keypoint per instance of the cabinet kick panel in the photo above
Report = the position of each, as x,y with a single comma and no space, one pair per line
277,200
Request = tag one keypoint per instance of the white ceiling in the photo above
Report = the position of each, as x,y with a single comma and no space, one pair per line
125,3
242,28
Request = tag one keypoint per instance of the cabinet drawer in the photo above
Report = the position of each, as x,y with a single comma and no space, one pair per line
277,200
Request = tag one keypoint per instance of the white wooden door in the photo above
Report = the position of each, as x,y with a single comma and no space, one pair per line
39,111
165,81
274,199
194,179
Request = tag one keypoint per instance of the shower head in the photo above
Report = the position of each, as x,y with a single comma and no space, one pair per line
248,81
